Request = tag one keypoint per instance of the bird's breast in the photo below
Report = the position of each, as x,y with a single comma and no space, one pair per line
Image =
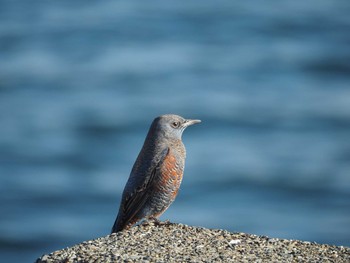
171,173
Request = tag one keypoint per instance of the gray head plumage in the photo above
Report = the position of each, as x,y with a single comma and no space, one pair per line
171,126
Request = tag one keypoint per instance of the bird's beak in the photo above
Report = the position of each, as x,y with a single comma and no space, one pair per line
189,122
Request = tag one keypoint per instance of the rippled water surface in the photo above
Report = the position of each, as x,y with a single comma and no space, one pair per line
81,81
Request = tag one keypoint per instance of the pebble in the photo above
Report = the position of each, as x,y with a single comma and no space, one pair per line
180,243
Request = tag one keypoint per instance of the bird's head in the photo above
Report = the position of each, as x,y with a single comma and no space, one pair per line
171,126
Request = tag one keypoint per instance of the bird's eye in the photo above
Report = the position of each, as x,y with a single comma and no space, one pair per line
175,124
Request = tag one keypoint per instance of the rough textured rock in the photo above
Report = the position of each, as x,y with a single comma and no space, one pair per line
181,243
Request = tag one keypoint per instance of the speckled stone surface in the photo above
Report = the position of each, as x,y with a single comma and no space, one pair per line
181,243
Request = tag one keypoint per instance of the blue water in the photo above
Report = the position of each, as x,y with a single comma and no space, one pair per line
81,81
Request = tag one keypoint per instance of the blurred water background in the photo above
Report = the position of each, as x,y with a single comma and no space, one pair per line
81,81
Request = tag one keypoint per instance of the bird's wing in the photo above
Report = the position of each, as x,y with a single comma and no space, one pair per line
141,194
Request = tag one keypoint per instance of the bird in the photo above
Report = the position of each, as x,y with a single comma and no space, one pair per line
157,173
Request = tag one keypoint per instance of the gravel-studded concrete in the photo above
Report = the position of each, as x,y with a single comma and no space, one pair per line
181,243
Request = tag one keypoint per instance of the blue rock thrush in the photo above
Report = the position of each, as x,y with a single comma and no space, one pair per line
156,176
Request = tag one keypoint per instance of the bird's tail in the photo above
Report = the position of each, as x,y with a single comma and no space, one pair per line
118,225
